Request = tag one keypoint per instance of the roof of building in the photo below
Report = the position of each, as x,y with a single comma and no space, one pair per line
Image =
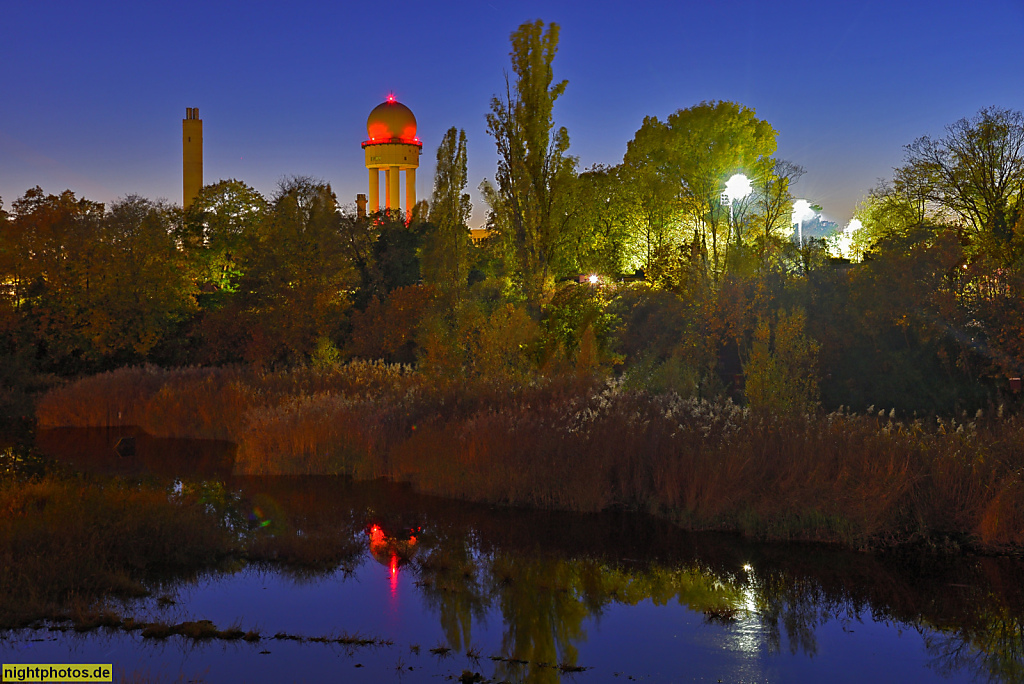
391,120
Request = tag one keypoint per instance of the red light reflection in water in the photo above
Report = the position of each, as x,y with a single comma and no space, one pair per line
391,552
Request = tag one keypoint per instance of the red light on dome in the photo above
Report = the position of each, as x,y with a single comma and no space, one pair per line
391,97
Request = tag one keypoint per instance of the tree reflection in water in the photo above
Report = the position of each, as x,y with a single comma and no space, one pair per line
993,648
546,574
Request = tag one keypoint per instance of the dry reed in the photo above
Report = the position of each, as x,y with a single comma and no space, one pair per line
64,542
862,480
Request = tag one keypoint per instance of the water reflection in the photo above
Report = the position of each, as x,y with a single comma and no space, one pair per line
549,578
550,575
97,450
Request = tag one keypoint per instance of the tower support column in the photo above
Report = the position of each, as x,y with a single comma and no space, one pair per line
374,190
410,193
393,182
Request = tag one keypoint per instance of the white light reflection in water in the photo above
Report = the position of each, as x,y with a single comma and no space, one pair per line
747,634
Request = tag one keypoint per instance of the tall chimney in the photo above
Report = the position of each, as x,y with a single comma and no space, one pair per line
191,155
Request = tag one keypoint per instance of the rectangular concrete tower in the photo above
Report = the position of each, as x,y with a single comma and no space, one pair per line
191,155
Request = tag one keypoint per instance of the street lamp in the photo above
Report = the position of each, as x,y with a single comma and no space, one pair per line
802,212
736,188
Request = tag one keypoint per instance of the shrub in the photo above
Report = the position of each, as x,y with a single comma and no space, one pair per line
781,373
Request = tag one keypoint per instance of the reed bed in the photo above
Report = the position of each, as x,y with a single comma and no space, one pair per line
69,543
855,479
65,542
581,444
205,403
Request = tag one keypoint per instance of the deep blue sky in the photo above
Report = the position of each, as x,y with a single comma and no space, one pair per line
94,92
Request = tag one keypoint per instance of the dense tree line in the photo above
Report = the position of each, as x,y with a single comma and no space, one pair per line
693,291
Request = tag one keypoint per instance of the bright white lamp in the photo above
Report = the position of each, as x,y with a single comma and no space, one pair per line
802,212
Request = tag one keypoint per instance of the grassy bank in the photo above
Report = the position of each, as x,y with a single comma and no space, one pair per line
64,543
69,543
864,480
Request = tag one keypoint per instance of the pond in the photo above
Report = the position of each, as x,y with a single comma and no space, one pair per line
377,583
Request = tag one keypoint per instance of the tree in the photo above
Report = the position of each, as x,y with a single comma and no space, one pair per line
295,290
711,142
387,329
387,254
479,345
601,236
773,198
446,249
577,327
48,255
534,170
217,227
16,353
693,153
141,289
10,258
653,181
92,287
976,172
781,372
396,260
886,214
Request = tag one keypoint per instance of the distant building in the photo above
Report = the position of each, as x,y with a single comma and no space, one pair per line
394,147
192,155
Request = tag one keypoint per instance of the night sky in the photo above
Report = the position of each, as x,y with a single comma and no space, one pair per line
94,92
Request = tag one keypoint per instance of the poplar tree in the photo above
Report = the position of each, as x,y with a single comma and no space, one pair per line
446,251
527,201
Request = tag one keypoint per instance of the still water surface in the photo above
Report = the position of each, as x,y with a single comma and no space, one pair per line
479,593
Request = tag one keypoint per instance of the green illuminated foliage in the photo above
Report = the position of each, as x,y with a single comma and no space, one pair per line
781,372
578,327
218,227
653,184
445,256
682,166
600,234
528,208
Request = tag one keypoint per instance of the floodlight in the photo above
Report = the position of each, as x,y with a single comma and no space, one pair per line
737,187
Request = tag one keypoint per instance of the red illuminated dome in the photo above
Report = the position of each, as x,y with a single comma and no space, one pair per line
389,120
